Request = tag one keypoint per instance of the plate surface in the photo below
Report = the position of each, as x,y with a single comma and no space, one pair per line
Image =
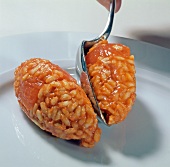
141,140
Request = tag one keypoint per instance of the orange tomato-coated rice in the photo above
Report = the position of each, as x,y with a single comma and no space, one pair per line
112,72
54,101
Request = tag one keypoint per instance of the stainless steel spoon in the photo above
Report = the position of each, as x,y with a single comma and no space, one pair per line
81,63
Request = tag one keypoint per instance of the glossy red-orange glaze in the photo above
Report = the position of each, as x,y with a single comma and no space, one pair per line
30,87
29,90
101,49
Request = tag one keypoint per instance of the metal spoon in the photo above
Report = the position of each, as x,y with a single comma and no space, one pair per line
81,63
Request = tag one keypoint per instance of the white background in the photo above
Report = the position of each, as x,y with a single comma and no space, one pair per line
146,20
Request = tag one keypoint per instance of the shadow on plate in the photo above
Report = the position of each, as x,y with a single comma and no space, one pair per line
138,136
71,148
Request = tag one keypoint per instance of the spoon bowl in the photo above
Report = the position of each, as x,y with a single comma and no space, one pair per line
81,62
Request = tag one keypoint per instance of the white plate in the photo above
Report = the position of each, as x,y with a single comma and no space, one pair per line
141,140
